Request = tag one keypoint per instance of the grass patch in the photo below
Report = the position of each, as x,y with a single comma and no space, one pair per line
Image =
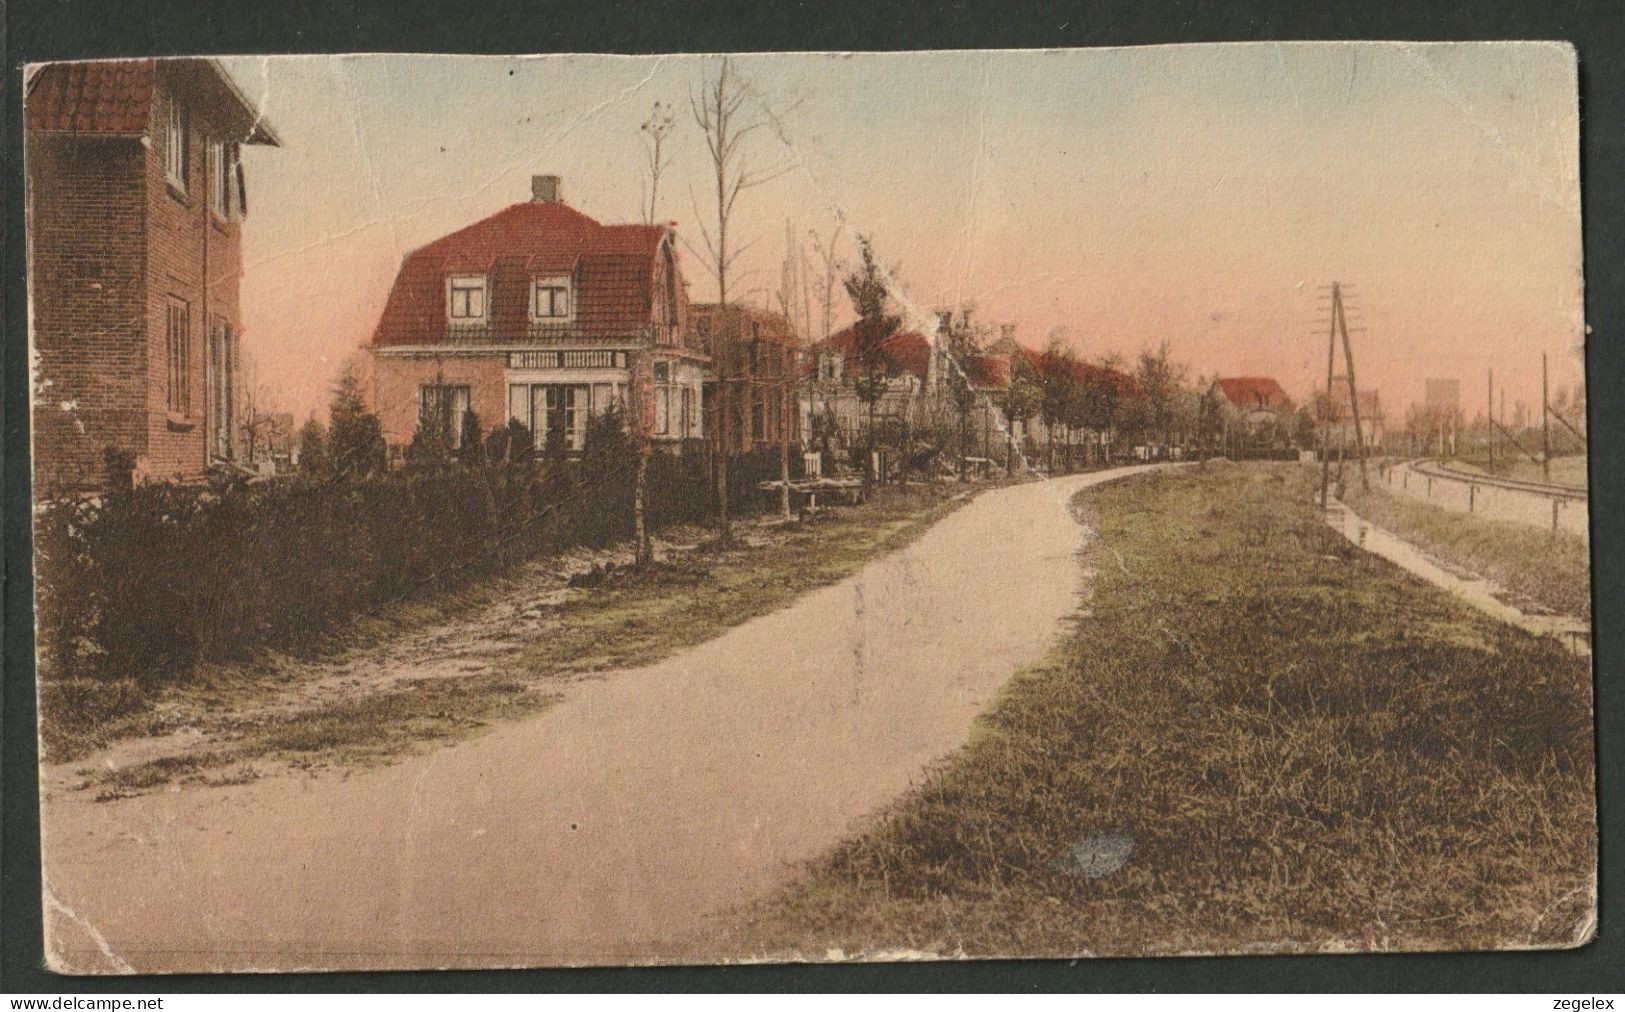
1305,748
1551,568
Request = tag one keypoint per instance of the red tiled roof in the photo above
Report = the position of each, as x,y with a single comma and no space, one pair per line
612,266
1252,391
114,97
1077,369
905,351
102,96
988,372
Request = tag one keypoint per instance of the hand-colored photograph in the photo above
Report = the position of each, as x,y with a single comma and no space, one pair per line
697,509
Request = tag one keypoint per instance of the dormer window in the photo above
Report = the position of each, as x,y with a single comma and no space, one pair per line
550,299
176,147
465,298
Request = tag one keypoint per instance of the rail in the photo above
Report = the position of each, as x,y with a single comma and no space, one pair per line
1548,490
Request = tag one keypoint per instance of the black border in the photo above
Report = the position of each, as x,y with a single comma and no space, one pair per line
67,29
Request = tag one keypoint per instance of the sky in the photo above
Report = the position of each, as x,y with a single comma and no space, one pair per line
1199,195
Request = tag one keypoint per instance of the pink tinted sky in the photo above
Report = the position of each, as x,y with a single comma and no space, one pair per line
1196,194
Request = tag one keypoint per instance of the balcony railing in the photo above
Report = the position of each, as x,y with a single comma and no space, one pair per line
557,335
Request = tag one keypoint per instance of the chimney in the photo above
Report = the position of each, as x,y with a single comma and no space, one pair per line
544,189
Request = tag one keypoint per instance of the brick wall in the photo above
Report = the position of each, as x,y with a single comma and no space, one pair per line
179,227
396,381
111,245
87,263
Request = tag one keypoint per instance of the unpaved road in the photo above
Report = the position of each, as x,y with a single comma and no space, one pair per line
620,825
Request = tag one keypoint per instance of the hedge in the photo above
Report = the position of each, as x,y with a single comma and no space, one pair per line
147,583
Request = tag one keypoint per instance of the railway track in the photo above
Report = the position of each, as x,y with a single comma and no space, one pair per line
1546,490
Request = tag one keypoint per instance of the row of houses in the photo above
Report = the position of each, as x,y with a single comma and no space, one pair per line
537,314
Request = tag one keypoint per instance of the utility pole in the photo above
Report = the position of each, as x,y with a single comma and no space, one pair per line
1326,408
1545,424
1489,413
1354,397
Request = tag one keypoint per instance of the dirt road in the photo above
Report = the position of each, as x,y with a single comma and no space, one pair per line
631,816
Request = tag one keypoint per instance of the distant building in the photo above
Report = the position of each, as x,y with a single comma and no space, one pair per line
270,442
1021,363
1440,420
1443,395
541,315
755,370
833,372
1342,418
136,198
1254,414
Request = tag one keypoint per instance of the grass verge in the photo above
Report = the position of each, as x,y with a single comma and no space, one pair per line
1295,747
1551,568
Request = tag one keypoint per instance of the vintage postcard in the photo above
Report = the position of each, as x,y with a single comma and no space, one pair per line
581,510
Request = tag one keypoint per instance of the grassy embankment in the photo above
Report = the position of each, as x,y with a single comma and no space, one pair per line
1551,568
1308,749
635,618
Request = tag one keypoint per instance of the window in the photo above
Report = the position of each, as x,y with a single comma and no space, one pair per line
224,172
466,299
442,407
688,413
221,392
550,299
663,411
668,421
545,408
177,145
178,348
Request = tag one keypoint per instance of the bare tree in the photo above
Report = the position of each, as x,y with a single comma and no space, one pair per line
655,130
829,259
727,115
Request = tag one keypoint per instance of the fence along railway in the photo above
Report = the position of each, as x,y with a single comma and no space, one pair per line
1536,503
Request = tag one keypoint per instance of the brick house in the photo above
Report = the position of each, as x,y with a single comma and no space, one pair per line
833,370
757,356
135,202
1254,413
540,315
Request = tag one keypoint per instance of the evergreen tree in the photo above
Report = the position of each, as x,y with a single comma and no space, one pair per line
355,436
313,457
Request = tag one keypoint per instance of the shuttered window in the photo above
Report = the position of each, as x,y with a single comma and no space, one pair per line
178,348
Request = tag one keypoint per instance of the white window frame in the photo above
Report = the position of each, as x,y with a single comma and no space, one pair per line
456,399
551,285
177,146
467,283
222,178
